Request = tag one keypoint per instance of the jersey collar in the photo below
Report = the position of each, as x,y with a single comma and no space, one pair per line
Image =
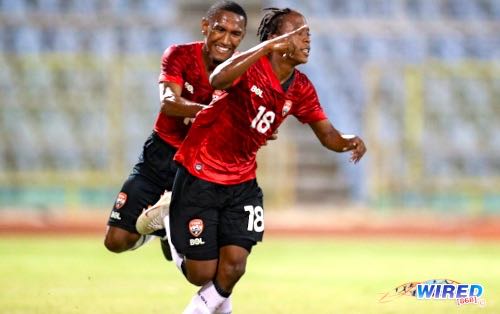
268,68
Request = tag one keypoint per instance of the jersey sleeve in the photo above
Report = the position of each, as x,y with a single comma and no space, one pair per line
172,66
253,72
310,109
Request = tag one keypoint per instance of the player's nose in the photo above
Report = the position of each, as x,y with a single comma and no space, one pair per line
226,39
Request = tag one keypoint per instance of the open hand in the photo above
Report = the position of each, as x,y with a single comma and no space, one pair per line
358,149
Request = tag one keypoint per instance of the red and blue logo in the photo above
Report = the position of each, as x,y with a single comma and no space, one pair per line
463,293
440,289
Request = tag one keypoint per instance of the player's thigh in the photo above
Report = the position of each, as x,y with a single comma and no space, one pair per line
242,223
194,217
136,194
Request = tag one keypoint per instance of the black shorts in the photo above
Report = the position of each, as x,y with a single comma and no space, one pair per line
205,216
151,176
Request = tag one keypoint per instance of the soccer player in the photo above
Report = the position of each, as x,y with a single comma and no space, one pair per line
216,214
184,89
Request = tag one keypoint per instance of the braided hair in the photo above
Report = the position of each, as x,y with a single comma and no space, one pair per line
271,22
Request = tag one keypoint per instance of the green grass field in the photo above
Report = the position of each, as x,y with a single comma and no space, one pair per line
284,275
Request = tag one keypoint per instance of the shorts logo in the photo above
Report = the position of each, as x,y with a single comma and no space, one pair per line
121,200
115,215
198,167
196,241
286,107
196,227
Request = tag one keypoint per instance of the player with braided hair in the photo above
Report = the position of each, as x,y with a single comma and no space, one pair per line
271,22
216,214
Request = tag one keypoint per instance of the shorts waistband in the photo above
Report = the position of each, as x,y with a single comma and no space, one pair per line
157,137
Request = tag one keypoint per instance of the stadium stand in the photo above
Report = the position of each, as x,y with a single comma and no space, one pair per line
419,80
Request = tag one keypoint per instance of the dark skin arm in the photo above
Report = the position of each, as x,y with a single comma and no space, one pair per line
172,104
175,105
334,140
226,73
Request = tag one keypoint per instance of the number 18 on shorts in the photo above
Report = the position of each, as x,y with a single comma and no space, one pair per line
205,216
255,218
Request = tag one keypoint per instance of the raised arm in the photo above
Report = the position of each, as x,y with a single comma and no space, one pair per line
226,73
332,139
172,104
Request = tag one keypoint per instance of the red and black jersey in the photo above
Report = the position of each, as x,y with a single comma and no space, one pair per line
222,144
183,64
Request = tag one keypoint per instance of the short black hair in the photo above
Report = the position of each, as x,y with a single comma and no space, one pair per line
226,5
271,22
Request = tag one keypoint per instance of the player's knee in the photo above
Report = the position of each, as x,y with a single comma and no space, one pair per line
116,244
232,270
232,265
113,245
200,273
199,278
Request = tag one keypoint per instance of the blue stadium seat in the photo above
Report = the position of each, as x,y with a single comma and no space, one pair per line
26,40
13,7
48,6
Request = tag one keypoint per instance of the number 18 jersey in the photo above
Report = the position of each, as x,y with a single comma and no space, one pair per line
223,141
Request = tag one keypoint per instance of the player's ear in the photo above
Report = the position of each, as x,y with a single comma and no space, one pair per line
204,26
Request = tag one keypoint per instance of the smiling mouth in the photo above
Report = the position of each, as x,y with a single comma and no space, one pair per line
221,49
306,51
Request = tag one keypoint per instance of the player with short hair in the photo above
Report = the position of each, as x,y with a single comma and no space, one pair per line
184,90
216,214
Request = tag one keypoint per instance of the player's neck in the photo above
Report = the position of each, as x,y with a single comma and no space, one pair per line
209,63
282,70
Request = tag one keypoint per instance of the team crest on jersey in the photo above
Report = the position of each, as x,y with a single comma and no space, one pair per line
196,227
286,107
121,199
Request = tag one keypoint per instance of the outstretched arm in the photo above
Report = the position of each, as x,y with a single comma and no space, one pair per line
172,104
332,139
226,73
